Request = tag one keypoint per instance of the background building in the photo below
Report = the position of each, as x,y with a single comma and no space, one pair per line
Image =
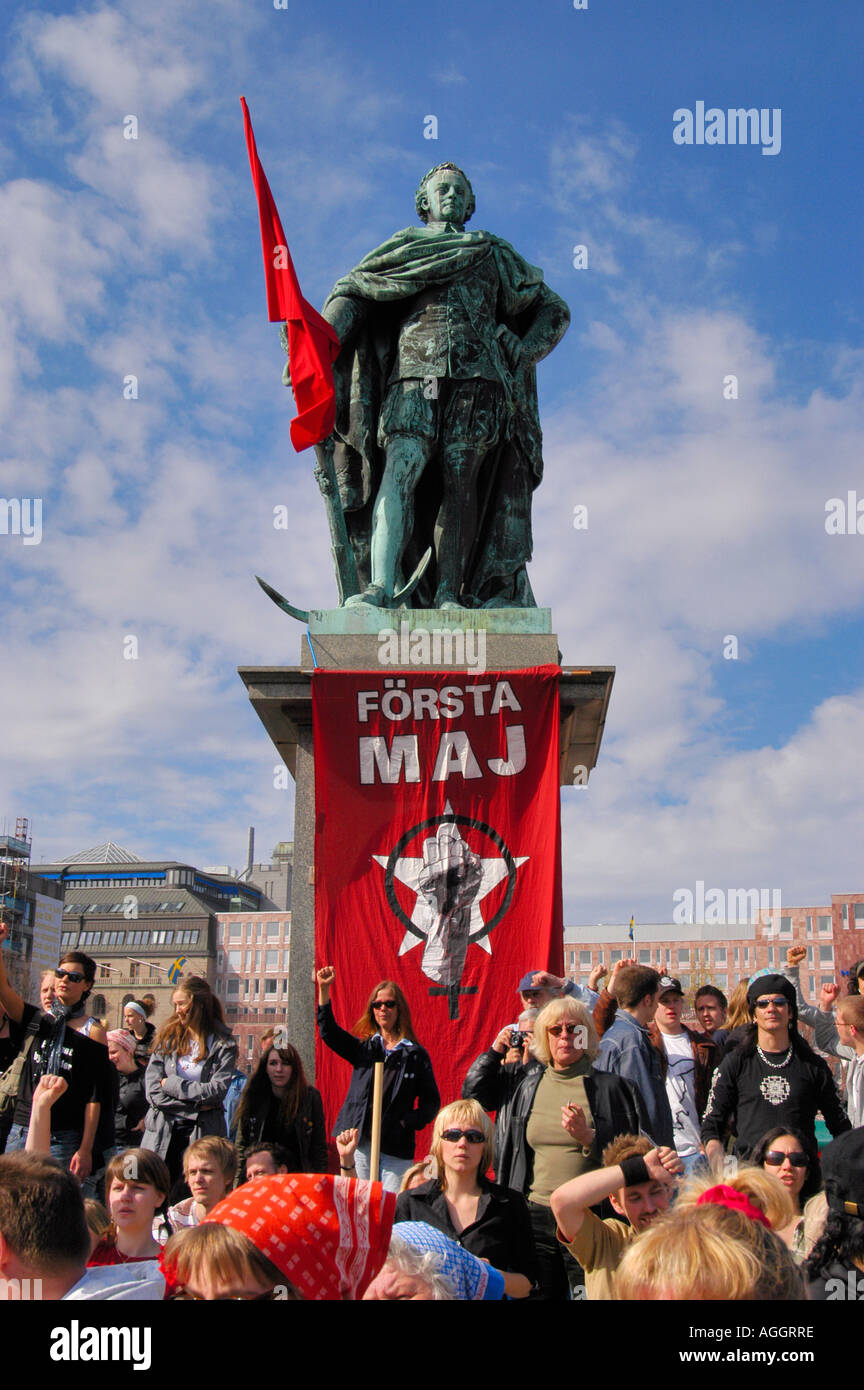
145,923
722,954
31,907
252,976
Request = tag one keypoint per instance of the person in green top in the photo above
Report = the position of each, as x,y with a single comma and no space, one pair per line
562,1114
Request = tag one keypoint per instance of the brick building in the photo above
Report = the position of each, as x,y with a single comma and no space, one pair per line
252,976
724,953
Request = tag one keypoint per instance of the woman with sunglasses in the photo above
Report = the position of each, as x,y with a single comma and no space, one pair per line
60,1047
383,1033
561,1115
793,1160
489,1221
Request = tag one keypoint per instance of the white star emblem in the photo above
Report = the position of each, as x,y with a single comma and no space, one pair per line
475,877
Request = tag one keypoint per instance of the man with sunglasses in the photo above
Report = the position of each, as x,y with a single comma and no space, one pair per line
60,1048
772,1078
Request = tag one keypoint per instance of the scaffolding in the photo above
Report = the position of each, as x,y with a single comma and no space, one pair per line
16,904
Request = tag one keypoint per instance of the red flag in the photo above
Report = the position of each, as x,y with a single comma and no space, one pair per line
437,852
313,345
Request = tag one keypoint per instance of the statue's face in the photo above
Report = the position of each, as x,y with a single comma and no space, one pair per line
448,196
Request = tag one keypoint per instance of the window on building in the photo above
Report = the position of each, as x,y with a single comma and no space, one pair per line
812,984
615,956
826,955
772,955
737,955
270,987
808,922
721,981
644,956
271,960
683,956
824,924
234,987
235,931
826,980
719,955
585,958
785,926
859,914
273,931
685,981
234,960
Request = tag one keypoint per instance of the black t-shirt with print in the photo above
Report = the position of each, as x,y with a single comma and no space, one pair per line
752,1096
85,1068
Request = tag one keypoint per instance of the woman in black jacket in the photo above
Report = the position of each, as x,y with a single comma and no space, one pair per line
492,1222
278,1106
561,1115
384,1033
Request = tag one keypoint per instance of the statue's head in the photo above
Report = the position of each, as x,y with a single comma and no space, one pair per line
441,183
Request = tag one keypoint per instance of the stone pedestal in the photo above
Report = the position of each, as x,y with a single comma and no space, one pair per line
356,639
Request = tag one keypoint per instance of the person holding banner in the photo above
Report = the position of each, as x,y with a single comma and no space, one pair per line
383,1033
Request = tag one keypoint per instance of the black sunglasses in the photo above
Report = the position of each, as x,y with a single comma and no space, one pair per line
73,976
384,1004
775,1158
474,1136
776,1000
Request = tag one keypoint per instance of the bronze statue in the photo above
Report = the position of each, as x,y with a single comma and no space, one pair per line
437,440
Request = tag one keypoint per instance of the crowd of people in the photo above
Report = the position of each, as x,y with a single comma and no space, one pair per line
601,1149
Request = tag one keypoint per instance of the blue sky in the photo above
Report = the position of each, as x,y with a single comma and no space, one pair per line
706,516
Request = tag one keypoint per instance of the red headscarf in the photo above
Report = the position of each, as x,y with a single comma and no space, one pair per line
725,1196
329,1236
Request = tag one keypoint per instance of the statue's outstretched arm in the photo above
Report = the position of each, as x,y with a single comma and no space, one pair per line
346,313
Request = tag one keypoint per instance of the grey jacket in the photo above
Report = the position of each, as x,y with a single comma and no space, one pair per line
179,1099
827,1039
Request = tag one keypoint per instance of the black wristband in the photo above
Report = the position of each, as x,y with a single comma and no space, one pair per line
635,1171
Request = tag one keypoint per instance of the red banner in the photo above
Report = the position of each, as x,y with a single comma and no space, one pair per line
437,851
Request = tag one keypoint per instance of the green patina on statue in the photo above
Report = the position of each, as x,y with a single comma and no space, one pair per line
437,440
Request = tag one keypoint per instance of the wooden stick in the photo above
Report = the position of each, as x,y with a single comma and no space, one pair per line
377,1094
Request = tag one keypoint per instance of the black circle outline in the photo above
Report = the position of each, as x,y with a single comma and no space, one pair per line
471,824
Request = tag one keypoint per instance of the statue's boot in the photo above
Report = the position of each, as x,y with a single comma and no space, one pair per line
373,595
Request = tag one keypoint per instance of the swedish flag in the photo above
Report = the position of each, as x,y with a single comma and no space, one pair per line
632,934
176,969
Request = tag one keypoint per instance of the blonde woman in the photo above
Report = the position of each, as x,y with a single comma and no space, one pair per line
719,1242
490,1221
562,1114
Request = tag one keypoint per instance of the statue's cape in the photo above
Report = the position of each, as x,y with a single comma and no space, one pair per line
411,261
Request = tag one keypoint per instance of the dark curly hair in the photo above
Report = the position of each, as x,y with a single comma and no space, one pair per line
421,202
841,1240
